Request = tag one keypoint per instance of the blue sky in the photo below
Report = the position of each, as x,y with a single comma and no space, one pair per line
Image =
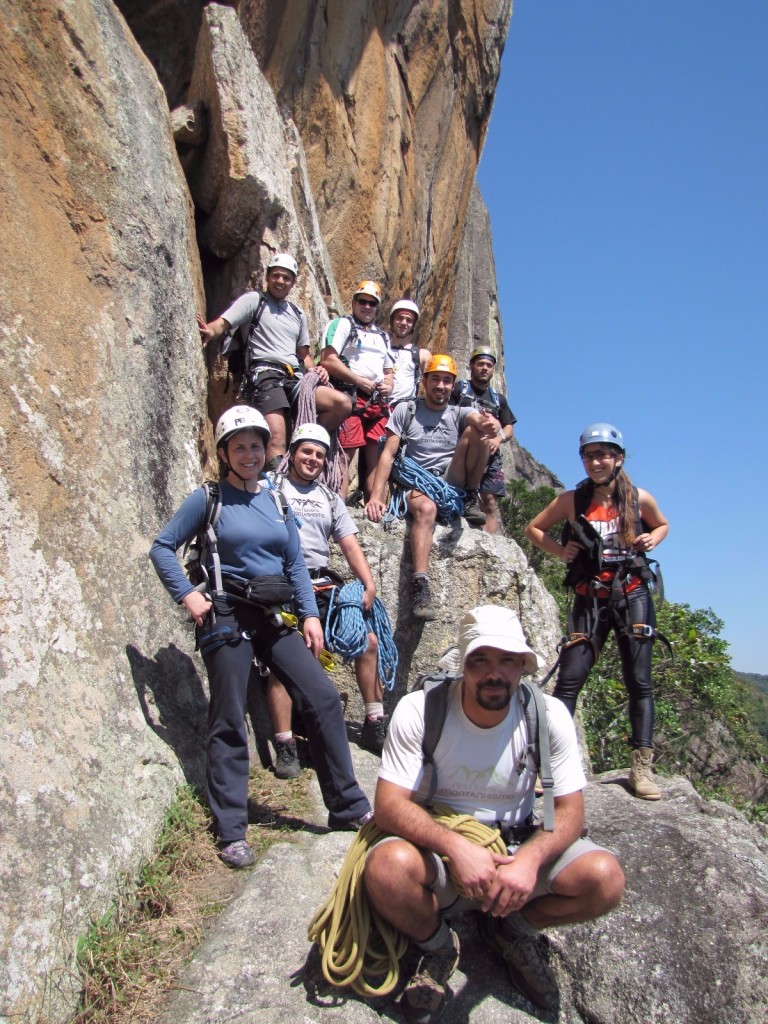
626,175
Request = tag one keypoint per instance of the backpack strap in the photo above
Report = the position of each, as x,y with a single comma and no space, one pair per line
436,689
538,745
280,500
416,358
209,548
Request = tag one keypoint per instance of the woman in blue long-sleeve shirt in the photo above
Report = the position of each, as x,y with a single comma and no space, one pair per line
255,539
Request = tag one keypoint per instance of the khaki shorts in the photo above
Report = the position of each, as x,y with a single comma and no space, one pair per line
450,902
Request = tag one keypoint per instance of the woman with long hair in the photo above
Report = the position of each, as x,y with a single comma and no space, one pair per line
612,526
260,565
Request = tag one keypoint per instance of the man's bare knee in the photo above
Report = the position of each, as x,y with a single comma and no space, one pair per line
390,864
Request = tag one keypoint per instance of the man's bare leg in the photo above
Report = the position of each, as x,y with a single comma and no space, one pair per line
491,509
424,513
332,407
278,442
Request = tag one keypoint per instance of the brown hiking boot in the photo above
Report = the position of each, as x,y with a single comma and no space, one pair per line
473,514
640,775
526,960
424,997
421,600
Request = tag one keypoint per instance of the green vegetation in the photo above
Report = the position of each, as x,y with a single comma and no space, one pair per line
129,959
697,694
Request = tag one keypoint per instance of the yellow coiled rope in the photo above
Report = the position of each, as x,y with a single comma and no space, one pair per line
358,948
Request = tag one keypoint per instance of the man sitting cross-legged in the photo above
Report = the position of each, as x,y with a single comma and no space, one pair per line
324,517
424,874
442,439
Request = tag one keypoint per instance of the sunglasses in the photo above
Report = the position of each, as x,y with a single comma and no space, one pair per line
366,302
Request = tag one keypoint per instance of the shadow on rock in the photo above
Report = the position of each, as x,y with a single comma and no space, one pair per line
174,703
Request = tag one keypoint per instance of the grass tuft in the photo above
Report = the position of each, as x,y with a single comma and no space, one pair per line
129,960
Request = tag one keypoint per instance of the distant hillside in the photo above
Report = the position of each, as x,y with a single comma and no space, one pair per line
761,682
756,694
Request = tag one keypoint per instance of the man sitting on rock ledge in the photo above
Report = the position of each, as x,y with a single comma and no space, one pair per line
446,441
424,874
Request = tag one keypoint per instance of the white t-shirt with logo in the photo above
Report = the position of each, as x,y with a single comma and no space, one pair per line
482,772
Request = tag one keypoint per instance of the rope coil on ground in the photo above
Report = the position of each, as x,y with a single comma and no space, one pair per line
359,949
409,475
348,626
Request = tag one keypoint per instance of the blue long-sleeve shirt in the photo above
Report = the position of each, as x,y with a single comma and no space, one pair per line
253,540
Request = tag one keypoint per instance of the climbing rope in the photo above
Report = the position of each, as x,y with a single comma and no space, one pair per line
348,626
409,475
306,412
358,948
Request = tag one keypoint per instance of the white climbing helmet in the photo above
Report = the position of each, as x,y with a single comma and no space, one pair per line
406,304
313,433
285,261
240,417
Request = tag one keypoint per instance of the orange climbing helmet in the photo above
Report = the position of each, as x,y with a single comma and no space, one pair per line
441,363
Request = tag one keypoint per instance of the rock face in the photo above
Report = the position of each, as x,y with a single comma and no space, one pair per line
392,102
102,410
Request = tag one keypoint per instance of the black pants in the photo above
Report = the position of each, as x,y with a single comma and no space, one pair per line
229,666
635,653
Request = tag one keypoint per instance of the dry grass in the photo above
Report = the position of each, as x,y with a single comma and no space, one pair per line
131,959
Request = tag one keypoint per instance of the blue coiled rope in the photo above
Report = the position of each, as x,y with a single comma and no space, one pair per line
409,475
348,625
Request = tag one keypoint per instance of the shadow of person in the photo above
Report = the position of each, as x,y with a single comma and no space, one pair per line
174,702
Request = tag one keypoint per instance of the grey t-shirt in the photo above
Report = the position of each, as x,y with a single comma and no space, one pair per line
280,332
322,515
432,435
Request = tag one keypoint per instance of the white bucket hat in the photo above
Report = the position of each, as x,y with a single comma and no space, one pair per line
493,626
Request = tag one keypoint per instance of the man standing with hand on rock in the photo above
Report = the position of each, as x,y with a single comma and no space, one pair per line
271,333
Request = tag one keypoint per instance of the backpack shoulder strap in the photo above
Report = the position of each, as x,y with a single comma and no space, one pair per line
410,412
538,744
436,688
208,541
276,490
582,497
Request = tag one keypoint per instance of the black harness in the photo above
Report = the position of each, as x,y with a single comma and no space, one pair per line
610,599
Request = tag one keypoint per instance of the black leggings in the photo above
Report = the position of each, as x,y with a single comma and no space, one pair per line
229,667
635,652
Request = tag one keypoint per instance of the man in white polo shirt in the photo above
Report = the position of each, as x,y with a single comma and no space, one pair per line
356,353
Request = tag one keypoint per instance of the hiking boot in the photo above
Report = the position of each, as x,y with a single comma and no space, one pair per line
373,734
640,775
526,960
424,997
348,824
472,511
421,600
286,759
237,854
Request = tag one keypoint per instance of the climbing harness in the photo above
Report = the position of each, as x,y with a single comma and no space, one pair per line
348,625
358,948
